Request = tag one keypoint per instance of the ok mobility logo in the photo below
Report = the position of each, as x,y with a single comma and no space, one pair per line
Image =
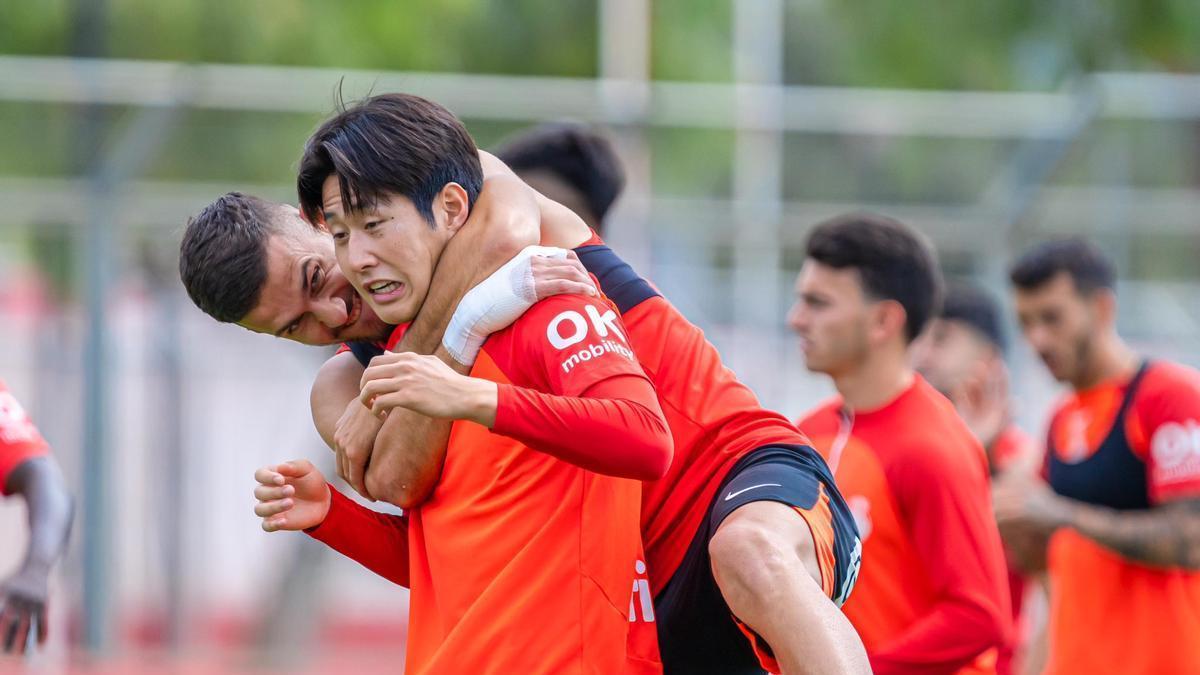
570,328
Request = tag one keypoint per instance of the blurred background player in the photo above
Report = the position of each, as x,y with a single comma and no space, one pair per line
931,595
1123,472
572,164
961,354
27,469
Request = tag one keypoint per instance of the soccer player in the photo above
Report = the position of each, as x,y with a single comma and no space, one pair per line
962,355
520,562
747,524
1123,473
27,469
932,596
568,163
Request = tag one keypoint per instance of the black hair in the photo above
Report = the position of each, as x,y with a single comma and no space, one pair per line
893,261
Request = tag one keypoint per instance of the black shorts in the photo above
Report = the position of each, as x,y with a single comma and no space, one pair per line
696,631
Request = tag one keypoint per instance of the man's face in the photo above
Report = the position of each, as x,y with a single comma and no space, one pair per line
306,298
831,316
1060,324
388,252
949,353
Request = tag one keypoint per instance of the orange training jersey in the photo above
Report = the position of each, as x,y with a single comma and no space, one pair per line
714,419
932,593
1107,613
19,439
519,562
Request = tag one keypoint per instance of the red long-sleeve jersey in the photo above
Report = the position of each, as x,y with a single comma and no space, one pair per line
519,561
932,595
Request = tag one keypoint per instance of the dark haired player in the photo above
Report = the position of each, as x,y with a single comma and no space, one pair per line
932,595
1123,474
569,163
961,354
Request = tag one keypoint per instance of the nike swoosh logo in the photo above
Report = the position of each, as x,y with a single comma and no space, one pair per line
731,495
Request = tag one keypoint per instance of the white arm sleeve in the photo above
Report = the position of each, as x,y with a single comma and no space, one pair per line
494,304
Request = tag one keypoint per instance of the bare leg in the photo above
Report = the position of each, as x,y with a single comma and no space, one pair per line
765,562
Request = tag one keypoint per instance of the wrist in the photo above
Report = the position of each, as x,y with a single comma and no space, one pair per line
480,400
326,504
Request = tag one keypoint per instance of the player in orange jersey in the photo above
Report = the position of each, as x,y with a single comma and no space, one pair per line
27,469
1122,490
932,596
962,355
519,561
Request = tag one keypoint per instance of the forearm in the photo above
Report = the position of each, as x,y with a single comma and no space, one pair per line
50,509
377,541
334,387
617,429
950,636
1168,535
406,461
503,221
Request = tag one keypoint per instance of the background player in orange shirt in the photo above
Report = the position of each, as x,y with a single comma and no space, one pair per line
961,354
1123,473
27,469
931,596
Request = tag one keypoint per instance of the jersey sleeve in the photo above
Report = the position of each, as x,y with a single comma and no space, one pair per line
1169,413
377,541
577,391
19,438
945,498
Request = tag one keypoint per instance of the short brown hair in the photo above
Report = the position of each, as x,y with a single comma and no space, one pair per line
223,256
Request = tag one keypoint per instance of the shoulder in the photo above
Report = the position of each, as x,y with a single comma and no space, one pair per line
1167,378
934,439
827,412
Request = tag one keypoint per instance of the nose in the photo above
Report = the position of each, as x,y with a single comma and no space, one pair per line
331,311
795,317
361,255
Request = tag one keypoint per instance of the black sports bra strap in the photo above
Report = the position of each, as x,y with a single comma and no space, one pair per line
1127,402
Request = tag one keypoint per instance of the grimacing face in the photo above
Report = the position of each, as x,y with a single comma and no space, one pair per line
388,252
306,298
831,316
949,352
1060,324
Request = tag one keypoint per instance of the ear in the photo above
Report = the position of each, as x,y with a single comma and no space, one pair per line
451,207
888,321
1104,305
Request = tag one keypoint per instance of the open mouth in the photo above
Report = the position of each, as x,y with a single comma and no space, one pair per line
386,291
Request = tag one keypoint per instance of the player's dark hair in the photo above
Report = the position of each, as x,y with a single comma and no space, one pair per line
973,306
1088,267
580,156
223,256
892,260
395,143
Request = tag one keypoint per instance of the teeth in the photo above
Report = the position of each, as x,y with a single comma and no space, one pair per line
383,287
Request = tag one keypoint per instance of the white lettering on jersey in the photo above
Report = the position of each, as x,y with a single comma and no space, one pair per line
852,570
15,426
1175,448
641,595
577,329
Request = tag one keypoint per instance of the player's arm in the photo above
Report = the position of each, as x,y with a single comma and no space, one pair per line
50,512
1168,534
600,413
952,531
294,496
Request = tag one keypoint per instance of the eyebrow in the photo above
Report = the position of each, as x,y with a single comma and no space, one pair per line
304,287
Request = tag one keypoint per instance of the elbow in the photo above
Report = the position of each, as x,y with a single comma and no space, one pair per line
391,486
657,456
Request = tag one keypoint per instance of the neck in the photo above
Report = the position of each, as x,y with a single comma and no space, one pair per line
876,381
1110,358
